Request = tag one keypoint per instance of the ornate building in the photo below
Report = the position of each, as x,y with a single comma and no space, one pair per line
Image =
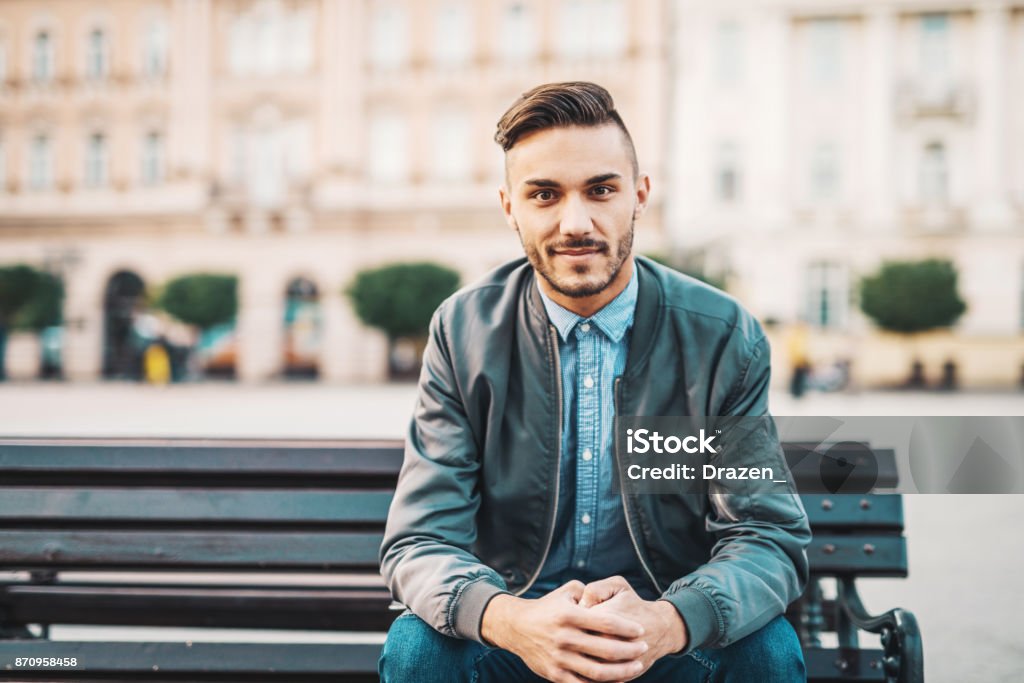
289,142
810,141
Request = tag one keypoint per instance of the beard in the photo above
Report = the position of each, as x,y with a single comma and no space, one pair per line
590,280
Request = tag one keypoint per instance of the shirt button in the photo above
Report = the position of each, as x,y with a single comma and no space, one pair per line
585,327
585,518
588,454
588,382
580,564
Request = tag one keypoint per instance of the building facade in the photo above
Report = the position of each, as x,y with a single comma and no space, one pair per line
288,142
811,141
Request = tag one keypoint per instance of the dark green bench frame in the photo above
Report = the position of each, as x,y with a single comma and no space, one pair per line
312,507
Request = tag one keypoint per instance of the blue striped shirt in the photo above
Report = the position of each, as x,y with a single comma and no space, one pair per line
591,539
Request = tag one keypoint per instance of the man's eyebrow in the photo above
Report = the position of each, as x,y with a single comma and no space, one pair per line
603,178
544,182
541,182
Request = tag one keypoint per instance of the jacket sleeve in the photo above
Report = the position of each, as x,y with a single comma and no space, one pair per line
758,564
425,557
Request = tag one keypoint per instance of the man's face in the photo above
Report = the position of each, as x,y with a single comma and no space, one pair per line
572,195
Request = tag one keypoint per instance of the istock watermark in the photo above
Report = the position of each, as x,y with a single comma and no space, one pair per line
821,454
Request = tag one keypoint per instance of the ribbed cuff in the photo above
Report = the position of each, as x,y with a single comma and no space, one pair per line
469,608
699,615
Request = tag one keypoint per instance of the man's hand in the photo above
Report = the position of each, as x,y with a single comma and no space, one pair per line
563,642
664,630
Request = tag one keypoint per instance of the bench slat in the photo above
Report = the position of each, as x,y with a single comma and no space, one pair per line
265,550
178,505
827,511
858,554
383,457
286,659
339,609
830,665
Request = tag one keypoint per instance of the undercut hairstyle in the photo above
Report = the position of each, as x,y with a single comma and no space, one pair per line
561,105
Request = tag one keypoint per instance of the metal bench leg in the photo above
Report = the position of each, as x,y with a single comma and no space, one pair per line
901,638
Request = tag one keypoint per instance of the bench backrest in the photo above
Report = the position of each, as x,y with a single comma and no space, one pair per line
300,506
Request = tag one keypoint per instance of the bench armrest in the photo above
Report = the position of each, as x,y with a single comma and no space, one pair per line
901,638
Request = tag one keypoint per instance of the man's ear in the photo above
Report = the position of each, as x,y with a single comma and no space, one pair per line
506,206
643,194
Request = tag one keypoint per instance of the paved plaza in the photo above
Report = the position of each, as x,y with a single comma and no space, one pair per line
965,551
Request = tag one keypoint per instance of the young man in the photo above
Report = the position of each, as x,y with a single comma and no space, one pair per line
517,559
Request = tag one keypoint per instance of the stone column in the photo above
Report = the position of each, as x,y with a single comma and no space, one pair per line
189,147
260,324
83,328
879,92
991,210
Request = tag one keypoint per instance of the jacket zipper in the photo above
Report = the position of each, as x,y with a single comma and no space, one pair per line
625,505
553,345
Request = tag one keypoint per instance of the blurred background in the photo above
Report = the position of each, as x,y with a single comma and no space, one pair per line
234,217
195,184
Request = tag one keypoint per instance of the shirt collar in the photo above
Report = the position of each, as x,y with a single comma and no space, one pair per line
614,319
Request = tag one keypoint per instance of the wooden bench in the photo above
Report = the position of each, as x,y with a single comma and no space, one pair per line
284,536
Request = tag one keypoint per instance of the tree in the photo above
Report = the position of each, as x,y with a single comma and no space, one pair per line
201,299
909,297
45,307
17,287
912,296
400,298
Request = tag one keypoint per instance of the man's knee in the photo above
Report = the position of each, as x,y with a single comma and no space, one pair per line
774,651
414,651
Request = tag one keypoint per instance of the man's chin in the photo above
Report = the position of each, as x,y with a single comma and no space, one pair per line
579,288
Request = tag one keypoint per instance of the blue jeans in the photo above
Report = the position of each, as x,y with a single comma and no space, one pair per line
415,653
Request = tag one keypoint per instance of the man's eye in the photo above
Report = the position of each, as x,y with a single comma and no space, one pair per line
545,195
602,190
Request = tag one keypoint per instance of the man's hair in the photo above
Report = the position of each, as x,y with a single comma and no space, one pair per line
560,105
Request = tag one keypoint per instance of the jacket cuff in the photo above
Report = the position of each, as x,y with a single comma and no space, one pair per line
469,608
699,615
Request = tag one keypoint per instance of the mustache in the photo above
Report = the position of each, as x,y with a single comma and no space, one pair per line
584,243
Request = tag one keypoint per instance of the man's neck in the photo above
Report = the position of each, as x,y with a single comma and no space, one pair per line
587,306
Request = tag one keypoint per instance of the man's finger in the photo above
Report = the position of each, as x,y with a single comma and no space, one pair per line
572,589
605,622
593,670
597,592
607,648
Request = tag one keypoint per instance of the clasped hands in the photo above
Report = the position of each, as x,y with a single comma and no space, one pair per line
601,631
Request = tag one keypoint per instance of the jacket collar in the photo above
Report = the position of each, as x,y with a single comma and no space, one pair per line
646,319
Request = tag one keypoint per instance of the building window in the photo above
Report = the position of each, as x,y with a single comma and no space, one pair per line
592,28
934,175
727,173
269,39
452,152
452,33
152,158
389,36
154,49
96,160
825,172
96,55
825,37
40,171
828,295
935,48
42,58
518,38
729,53
388,162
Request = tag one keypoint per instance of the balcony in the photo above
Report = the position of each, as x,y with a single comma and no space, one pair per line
923,98
935,219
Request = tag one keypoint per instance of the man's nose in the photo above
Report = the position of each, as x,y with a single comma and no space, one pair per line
575,219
